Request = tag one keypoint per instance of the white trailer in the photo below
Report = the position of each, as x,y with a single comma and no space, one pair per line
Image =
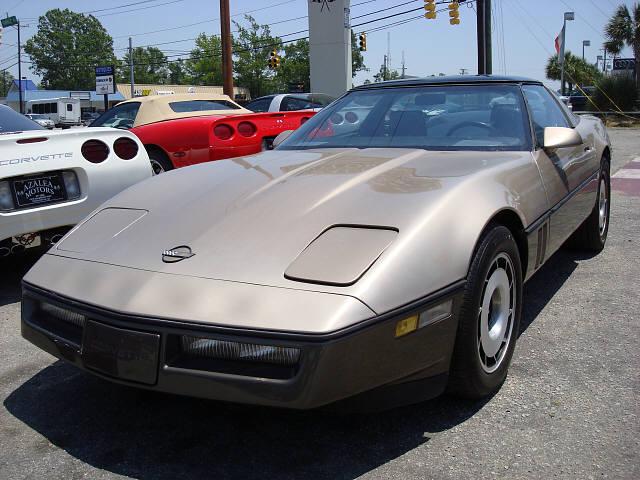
64,111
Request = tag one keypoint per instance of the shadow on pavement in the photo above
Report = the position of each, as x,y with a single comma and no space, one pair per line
13,269
157,436
541,288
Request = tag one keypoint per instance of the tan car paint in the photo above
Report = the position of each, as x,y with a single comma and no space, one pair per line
231,213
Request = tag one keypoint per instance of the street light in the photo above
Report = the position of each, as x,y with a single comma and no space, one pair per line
567,16
585,43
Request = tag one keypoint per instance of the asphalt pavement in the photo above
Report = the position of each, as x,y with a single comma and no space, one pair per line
569,409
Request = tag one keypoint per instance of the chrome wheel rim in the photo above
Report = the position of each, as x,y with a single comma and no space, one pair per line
496,315
603,206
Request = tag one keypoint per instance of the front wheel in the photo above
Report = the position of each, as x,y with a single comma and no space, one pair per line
489,317
592,234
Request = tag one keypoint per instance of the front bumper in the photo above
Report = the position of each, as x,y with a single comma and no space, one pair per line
352,363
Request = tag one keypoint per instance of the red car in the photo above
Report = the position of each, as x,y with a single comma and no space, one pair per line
184,129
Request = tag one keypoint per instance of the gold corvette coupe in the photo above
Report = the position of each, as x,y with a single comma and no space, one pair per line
378,254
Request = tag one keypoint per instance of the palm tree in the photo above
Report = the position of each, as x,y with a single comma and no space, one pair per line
624,29
576,70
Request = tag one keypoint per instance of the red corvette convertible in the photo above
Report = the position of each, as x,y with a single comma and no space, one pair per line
184,129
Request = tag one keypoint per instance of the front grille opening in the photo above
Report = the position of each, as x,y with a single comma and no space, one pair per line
59,321
235,358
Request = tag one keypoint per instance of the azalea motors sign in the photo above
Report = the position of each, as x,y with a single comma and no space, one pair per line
105,80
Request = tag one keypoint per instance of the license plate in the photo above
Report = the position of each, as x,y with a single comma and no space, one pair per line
39,190
121,353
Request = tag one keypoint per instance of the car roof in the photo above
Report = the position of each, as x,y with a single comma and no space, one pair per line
155,108
452,79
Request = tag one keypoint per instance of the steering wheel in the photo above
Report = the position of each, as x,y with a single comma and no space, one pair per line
469,124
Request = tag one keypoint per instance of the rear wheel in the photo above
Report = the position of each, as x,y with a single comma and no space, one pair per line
592,234
489,317
159,161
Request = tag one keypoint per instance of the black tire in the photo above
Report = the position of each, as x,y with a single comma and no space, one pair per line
590,236
160,163
470,375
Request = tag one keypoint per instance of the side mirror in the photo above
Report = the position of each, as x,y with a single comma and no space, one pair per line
282,136
561,137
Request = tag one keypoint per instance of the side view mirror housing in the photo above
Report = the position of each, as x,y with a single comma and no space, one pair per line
282,136
561,137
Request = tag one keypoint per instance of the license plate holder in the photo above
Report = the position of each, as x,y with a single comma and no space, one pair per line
121,353
38,190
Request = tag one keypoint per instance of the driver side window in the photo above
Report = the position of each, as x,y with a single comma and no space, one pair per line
544,110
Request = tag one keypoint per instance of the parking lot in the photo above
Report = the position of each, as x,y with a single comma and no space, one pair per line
569,407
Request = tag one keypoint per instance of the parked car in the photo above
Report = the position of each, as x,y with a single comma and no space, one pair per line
50,180
41,120
579,98
89,117
385,259
181,130
287,102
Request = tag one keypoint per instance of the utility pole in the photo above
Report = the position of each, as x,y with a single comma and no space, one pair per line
483,28
463,71
227,59
384,68
403,66
604,61
20,73
567,16
131,67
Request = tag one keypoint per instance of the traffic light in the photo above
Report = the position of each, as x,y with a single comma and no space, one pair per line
454,13
430,9
274,60
362,42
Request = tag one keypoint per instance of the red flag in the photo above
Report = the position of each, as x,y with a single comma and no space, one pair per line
558,41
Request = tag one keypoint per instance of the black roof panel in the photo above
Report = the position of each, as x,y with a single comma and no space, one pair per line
453,79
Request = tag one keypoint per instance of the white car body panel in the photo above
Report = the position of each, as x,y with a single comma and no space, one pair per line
62,151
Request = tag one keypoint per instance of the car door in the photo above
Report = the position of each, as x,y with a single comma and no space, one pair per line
567,173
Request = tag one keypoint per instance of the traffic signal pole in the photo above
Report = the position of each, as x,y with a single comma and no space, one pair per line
483,22
227,58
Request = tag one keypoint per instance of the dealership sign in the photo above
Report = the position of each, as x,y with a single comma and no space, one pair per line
624,64
105,80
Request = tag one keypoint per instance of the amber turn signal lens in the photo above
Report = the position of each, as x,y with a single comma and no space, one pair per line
406,326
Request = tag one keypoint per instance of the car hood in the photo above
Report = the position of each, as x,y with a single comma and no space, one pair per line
247,219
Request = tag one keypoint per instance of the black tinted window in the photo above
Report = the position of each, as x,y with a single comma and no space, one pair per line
11,121
202,105
544,110
260,105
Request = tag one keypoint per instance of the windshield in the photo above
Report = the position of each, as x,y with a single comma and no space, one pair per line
439,117
120,116
12,121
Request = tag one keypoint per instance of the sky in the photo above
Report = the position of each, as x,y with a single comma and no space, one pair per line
523,30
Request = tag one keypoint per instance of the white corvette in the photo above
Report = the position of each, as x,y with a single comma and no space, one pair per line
50,180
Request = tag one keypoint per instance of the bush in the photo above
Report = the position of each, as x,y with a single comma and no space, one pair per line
621,89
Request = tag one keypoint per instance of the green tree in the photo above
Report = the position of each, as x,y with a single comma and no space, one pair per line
177,74
149,66
624,29
357,59
6,79
204,65
294,67
252,47
67,47
576,70
385,74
